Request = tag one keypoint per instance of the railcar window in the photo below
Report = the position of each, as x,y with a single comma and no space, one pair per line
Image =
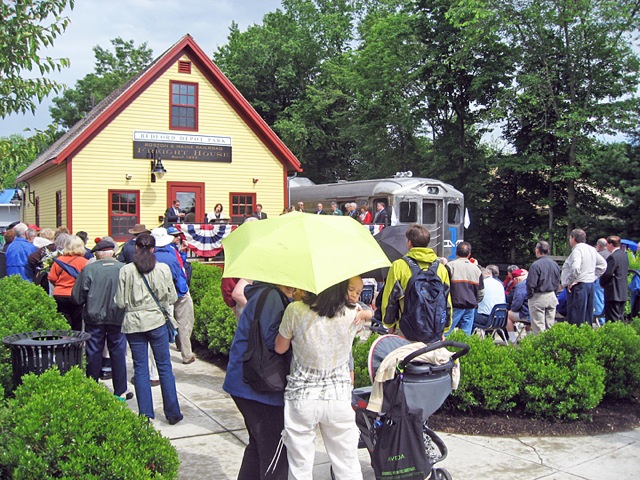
453,213
429,213
408,212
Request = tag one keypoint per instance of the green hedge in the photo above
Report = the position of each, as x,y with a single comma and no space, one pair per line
618,351
562,377
563,373
215,323
24,307
72,427
490,379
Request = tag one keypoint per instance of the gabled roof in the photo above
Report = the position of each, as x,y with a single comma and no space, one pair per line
109,108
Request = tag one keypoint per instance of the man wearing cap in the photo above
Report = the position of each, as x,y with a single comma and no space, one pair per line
519,307
18,254
95,289
129,248
183,308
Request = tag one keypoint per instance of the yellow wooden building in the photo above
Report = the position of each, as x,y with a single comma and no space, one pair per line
180,115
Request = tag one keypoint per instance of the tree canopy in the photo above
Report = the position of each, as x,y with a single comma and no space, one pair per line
112,69
28,26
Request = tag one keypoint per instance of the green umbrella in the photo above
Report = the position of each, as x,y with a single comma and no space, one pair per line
301,250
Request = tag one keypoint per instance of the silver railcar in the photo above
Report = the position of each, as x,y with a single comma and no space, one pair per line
435,204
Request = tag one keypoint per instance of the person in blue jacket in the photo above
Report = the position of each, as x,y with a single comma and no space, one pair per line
18,254
263,412
183,308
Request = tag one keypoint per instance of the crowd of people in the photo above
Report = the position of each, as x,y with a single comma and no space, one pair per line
118,296
121,296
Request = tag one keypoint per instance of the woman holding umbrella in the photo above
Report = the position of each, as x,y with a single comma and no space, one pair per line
320,329
263,412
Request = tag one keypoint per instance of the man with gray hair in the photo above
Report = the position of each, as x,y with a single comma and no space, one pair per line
18,254
542,283
601,248
579,272
95,289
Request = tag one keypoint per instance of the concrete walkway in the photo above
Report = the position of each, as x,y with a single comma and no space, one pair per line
211,440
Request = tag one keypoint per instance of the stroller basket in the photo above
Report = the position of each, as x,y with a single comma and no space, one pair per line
426,387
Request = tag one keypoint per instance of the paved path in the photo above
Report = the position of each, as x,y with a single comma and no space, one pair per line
211,440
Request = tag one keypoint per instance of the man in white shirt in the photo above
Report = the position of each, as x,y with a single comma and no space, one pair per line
493,295
579,272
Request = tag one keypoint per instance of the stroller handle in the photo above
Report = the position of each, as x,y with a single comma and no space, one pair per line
464,349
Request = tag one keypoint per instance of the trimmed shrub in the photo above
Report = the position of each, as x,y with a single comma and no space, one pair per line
618,351
562,378
360,360
490,379
72,427
215,323
635,324
24,307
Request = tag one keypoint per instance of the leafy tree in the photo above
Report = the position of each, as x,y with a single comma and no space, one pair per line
111,71
577,74
17,152
27,27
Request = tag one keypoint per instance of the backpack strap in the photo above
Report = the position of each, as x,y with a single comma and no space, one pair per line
69,269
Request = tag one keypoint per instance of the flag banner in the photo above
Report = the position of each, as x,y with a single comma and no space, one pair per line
205,240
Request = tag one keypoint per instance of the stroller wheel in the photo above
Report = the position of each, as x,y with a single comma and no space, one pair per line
441,474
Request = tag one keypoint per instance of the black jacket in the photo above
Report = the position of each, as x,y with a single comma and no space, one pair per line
614,278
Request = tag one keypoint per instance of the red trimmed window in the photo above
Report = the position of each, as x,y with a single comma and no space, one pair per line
242,206
124,213
184,106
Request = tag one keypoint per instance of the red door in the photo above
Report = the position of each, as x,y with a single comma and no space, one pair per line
191,196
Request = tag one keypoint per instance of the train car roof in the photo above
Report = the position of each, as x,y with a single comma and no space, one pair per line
375,187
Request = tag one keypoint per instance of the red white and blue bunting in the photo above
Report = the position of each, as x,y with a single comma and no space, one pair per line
205,240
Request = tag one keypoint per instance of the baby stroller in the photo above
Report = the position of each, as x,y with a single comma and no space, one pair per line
426,386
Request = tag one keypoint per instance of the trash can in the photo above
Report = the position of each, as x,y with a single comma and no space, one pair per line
35,352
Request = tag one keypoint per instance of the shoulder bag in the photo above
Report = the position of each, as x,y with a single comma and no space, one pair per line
171,329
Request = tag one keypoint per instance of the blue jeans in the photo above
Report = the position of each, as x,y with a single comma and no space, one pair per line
159,341
463,319
580,304
117,345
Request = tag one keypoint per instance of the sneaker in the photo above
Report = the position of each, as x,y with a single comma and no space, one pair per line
128,395
105,374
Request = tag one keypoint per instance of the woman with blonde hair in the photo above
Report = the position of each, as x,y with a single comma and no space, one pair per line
63,274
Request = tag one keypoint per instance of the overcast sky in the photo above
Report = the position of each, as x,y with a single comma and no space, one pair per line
160,23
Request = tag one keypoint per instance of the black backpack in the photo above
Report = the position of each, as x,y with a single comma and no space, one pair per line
426,312
263,369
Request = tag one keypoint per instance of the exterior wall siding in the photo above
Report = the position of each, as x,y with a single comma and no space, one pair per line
46,185
104,162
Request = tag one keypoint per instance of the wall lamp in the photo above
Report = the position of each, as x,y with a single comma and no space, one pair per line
255,180
157,169
20,193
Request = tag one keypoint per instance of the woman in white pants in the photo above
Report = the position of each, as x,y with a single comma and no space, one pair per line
320,329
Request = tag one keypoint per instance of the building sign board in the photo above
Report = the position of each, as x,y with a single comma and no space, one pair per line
182,146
